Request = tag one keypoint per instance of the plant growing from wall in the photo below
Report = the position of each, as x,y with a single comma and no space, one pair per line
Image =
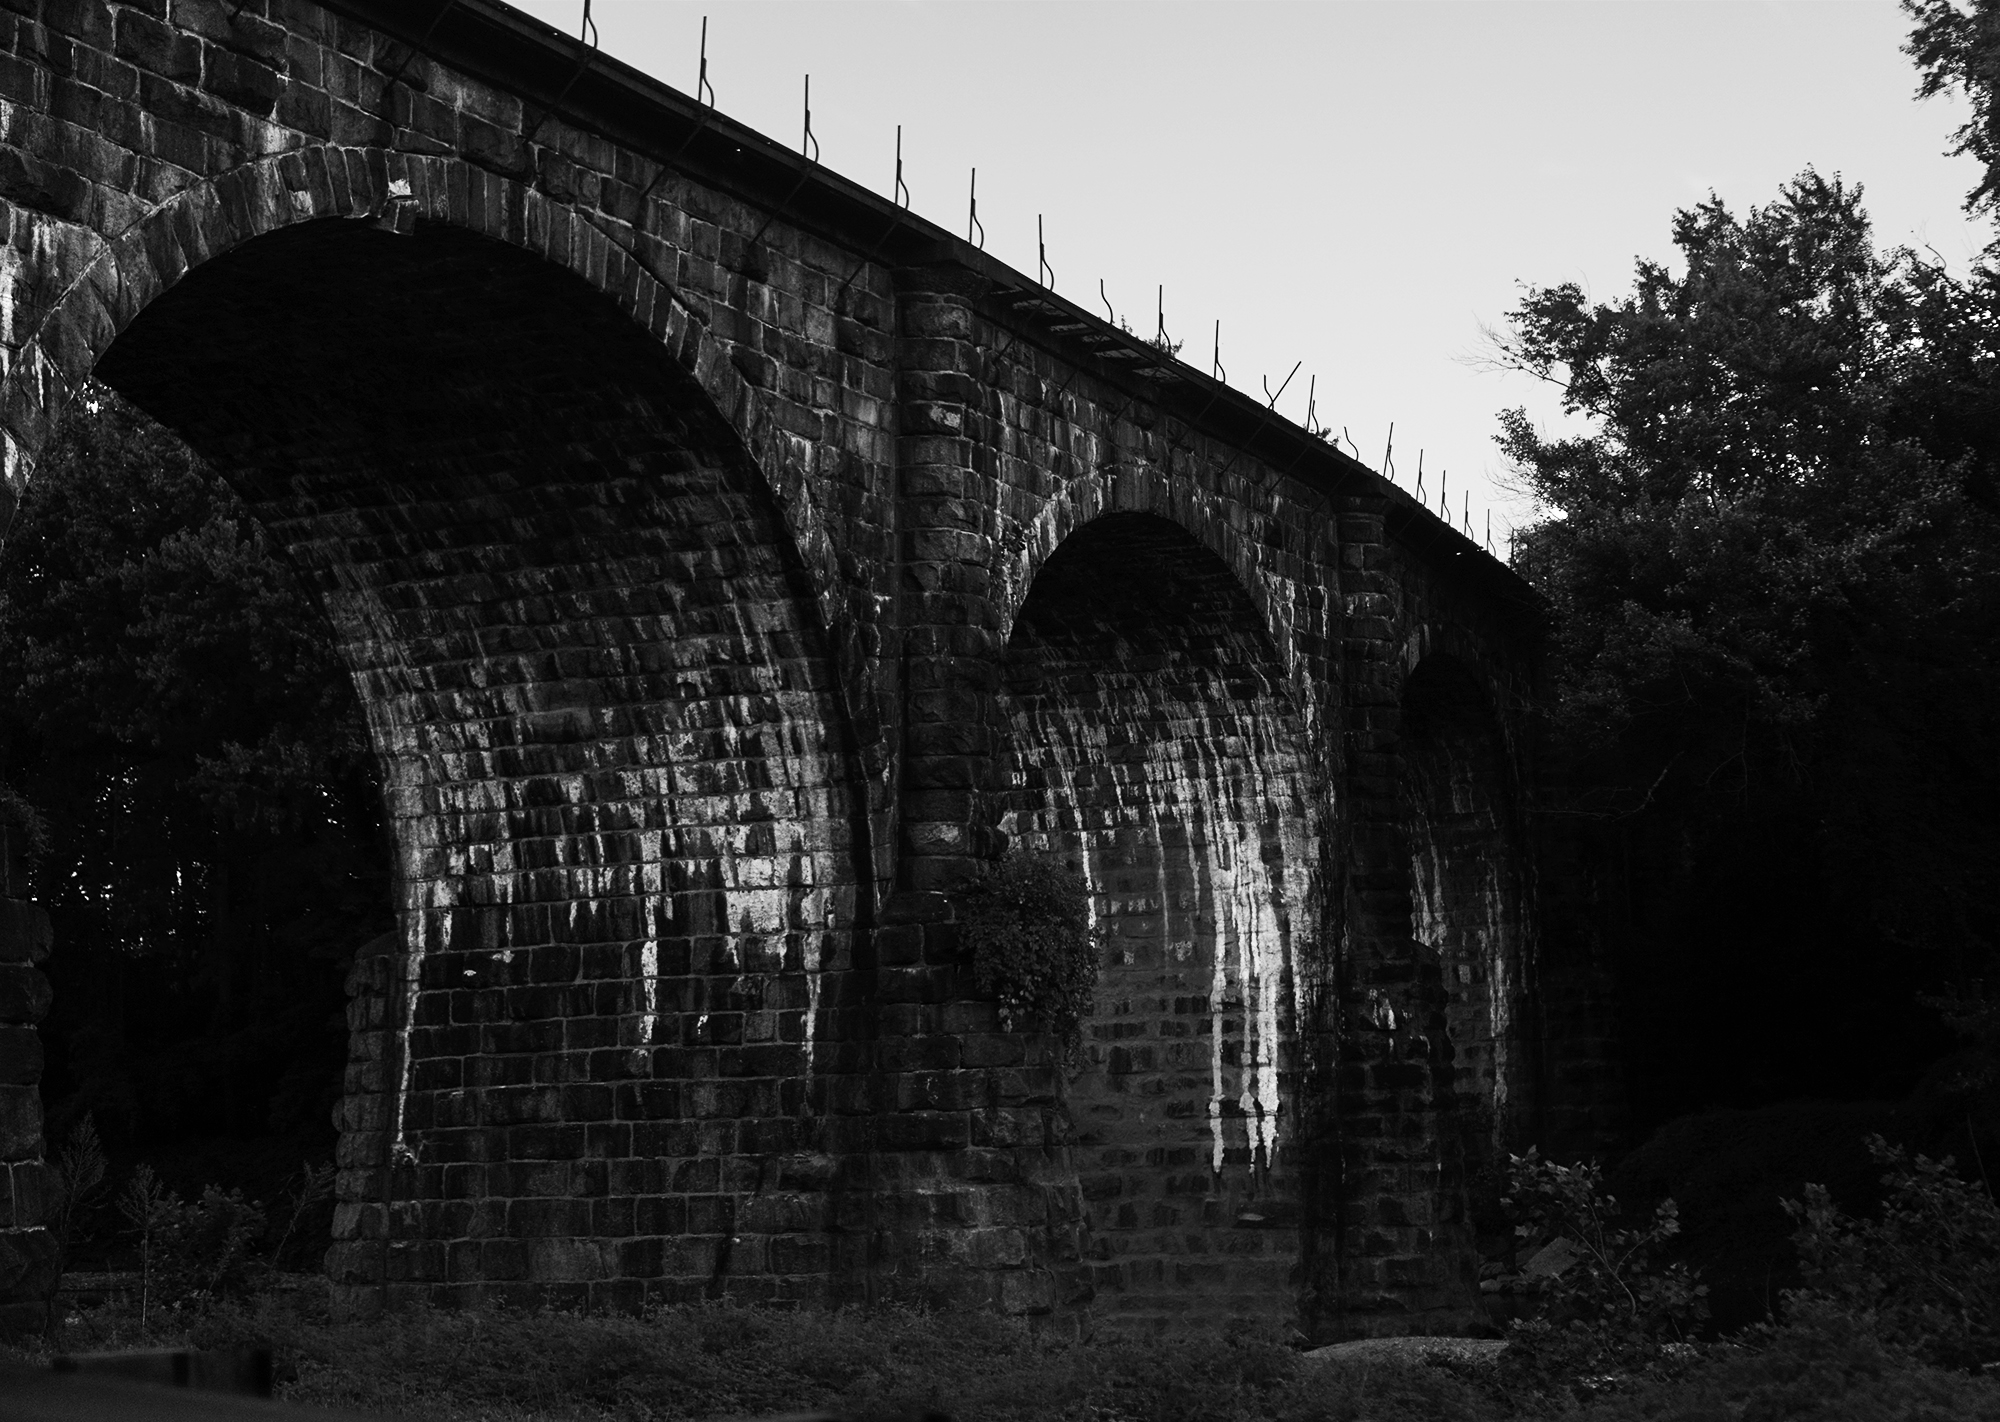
1026,923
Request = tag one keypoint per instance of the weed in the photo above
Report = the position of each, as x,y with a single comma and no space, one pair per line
1027,924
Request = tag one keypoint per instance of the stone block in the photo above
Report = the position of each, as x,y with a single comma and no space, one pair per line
25,934
30,1264
564,1260
20,1123
1027,1292
24,993
20,1056
30,1194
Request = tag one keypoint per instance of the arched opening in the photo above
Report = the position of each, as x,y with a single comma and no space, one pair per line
1457,808
189,757
615,765
1155,744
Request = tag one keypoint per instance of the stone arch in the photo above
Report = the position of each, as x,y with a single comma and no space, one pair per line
1141,488
1154,740
102,289
574,566
1459,808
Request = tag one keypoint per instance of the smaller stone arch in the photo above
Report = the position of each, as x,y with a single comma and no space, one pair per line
1152,738
1141,488
1459,807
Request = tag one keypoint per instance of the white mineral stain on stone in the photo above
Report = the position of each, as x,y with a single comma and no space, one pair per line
649,973
434,900
1215,787
779,865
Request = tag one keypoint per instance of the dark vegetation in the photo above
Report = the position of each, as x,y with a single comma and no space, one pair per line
211,848
1772,566
1773,569
1026,925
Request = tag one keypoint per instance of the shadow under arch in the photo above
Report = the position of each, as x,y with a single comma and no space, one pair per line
1459,809
1152,740
1125,491
632,859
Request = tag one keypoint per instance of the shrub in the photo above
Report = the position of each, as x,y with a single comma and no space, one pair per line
206,1243
188,1249
1822,1365
1927,1272
1607,1308
1026,922
1609,1277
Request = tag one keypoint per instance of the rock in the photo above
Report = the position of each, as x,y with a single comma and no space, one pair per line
1371,1352
1551,1259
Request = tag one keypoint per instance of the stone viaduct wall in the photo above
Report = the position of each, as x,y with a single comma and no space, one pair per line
730,563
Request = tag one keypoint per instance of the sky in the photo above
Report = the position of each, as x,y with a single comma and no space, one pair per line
1360,189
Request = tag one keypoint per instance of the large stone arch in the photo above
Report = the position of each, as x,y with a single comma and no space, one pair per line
583,592
102,283
1153,739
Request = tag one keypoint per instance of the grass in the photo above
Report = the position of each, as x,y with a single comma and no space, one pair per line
722,1361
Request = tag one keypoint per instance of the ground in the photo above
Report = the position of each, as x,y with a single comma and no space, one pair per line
719,1361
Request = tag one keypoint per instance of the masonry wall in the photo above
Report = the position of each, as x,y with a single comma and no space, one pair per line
722,596
620,779
1153,743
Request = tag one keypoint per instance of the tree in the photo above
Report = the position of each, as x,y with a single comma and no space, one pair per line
1772,567
214,849
1957,48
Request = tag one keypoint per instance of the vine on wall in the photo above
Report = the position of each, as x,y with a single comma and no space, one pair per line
1026,923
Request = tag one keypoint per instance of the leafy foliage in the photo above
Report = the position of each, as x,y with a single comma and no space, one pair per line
1027,925
206,1244
1958,48
1973,1014
1608,1307
212,846
1771,562
1926,1275
1611,1278
189,1250
1762,488
1822,1365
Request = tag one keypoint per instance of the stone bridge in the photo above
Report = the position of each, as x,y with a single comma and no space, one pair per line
730,562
